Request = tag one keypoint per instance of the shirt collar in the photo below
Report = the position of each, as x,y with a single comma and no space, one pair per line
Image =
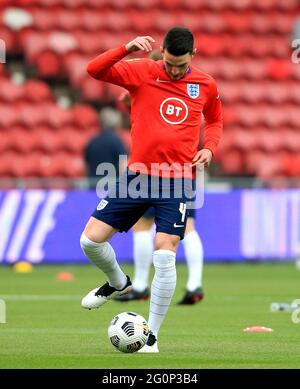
189,71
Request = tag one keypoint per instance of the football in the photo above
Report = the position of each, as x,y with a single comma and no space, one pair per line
128,332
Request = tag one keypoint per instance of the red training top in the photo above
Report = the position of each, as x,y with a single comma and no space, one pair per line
165,114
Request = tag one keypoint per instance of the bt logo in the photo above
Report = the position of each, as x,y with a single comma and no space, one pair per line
173,110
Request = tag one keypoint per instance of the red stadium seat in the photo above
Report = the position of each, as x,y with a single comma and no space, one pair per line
68,20
8,116
232,163
268,167
263,6
250,92
115,21
291,114
276,93
96,3
75,64
290,140
72,140
57,117
2,70
11,165
33,166
293,92
170,4
229,70
93,90
22,3
282,23
279,69
212,23
244,140
257,46
291,165
77,3
291,5
268,140
142,21
271,116
237,24
93,20
62,165
91,44
211,45
252,160
5,141
253,69
146,4
261,23
44,20
48,64
37,91
22,140
46,141
33,44
31,116
165,20
84,116
10,92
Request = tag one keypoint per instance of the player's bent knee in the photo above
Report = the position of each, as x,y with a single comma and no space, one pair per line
98,253
86,242
163,258
166,242
98,231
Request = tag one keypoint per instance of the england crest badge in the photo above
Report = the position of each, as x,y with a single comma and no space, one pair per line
103,203
193,90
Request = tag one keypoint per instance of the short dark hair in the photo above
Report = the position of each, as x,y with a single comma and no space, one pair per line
179,41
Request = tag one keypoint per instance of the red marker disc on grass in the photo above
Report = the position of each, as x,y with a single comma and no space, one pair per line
258,329
65,276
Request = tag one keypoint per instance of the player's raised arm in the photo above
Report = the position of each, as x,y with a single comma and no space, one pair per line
140,43
129,74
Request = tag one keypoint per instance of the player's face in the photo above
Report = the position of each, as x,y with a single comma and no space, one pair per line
176,67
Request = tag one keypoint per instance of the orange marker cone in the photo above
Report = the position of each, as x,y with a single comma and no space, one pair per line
258,329
65,276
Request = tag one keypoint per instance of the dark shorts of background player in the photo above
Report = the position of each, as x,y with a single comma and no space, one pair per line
123,212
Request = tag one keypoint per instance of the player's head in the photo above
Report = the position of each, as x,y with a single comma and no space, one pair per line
178,51
156,55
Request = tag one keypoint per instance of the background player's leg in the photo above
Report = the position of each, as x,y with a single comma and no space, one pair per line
94,244
193,250
142,253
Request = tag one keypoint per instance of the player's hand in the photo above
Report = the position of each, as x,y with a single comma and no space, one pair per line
140,43
203,157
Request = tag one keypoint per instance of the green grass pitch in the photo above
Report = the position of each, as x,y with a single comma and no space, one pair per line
47,328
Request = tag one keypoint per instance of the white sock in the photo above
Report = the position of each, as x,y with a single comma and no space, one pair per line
103,256
162,288
194,257
142,256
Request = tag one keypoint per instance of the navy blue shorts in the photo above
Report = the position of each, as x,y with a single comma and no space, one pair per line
150,213
122,211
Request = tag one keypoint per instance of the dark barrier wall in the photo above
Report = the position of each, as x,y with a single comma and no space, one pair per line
45,226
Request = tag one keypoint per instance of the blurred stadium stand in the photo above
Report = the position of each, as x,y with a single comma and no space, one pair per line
244,44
